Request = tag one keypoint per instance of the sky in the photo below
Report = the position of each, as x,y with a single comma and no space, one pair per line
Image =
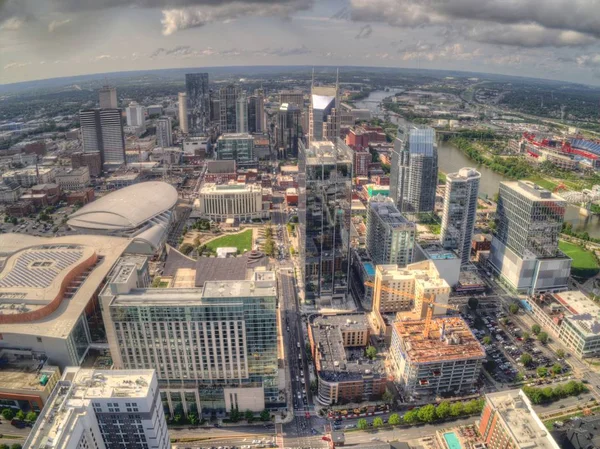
556,39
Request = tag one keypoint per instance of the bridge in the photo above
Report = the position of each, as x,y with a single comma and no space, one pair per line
584,199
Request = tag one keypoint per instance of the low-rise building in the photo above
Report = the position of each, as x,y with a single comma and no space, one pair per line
73,178
238,147
30,176
241,201
10,192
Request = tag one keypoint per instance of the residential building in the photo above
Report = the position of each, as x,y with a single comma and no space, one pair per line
325,211
446,261
100,409
183,112
508,421
362,159
390,236
102,131
73,178
240,201
414,171
93,161
344,374
324,116
29,176
295,97
108,97
228,102
241,114
238,147
288,130
219,351
198,102
460,211
449,359
136,115
164,136
524,249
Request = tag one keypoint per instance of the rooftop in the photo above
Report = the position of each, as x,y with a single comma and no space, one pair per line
464,174
435,251
532,191
387,211
450,339
24,375
581,311
230,188
321,152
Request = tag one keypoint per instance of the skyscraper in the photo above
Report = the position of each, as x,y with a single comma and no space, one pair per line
108,97
136,114
288,130
241,113
325,184
228,96
390,236
324,117
164,136
460,211
102,131
198,97
256,112
413,179
183,113
292,97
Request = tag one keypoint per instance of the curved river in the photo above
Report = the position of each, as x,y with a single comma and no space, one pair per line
451,159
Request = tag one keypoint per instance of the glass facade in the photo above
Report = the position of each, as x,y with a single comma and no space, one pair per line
198,98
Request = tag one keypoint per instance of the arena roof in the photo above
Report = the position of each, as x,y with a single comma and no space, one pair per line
126,208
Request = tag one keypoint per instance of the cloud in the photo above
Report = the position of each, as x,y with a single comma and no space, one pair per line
16,65
529,35
589,61
11,24
364,32
186,52
429,52
52,26
101,57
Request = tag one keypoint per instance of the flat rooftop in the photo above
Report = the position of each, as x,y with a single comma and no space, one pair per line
581,311
435,251
520,420
230,188
324,152
532,191
24,375
458,343
387,211
240,289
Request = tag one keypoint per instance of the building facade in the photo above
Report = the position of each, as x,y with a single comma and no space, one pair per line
102,131
183,112
228,104
460,211
136,115
256,112
73,178
241,114
198,102
288,130
295,97
108,97
164,133
241,201
236,147
324,116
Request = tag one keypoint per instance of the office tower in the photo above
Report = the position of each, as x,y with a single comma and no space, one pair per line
241,114
460,211
136,115
236,147
413,179
102,131
198,105
390,236
325,184
108,97
292,97
324,117
183,113
288,130
524,249
228,97
164,136
102,409
256,112
215,107
218,351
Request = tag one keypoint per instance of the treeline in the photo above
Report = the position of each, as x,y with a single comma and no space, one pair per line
549,394
582,235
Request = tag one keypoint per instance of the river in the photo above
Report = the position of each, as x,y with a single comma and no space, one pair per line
451,159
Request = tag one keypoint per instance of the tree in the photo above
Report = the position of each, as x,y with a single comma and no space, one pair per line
560,354
362,424
186,248
394,419
526,336
473,303
265,415
387,397
16,446
474,406
185,230
8,414
542,371
443,410
504,321
427,414
556,368
519,377
177,419
457,409
487,340
536,329
192,418
371,352
572,388
20,415
543,337
514,308
31,416
411,417
378,422
526,359
234,414
249,415
4,446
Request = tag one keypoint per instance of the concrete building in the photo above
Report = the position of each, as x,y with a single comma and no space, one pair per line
325,184
164,132
324,114
239,201
288,130
362,159
508,421
29,176
102,131
390,236
241,113
183,112
108,97
460,211
198,102
10,192
524,249
344,374
236,147
447,360
414,171
73,178
219,351
102,410
228,102
93,161
295,97
136,115
446,261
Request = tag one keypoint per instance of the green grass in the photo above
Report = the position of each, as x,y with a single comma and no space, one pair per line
242,241
542,182
441,177
584,263
435,228
550,422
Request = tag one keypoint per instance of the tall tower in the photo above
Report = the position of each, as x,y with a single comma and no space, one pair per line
108,97
460,211
198,96
183,113
324,117
228,97
164,137
241,113
102,131
136,115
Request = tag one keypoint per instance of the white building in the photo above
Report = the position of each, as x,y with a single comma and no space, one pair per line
73,178
95,409
183,112
241,114
136,115
241,201
30,176
164,136
108,97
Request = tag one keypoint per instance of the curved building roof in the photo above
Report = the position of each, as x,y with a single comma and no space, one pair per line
126,208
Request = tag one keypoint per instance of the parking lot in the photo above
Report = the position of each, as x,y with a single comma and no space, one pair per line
47,222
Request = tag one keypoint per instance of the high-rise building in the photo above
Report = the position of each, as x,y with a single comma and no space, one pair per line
164,136
102,131
198,97
460,211
256,112
524,249
228,97
390,236
236,147
136,115
325,184
288,130
413,179
295,97
183,113
241,113
218,351
108,97
324,117
99,409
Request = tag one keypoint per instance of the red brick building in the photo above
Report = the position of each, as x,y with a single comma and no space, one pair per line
362,159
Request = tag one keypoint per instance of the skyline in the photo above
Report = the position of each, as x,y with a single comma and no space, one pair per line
65,38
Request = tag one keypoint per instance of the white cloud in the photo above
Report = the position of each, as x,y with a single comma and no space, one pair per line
12,24
52,26
16,65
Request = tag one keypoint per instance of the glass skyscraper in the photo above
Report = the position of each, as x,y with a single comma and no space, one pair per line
198,99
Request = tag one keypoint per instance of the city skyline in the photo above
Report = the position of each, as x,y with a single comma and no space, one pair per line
65,39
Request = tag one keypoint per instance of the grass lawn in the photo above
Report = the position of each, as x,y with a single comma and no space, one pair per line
542,182
584,263
242,241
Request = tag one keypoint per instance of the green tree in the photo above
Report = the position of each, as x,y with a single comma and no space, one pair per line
443,410
265,415
556,368
542,371
473,303
411,417
526,359
177,419
31,416
8,414
387,397
234,414
249,415
543,337
457,409
536,329
514,308
487,340
394,419
16,446
560,354
371,352
192,418
20,415
504,321
186,248
185,230
473,407
519,377
4,446
362,424
525,336
377,422
427,414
